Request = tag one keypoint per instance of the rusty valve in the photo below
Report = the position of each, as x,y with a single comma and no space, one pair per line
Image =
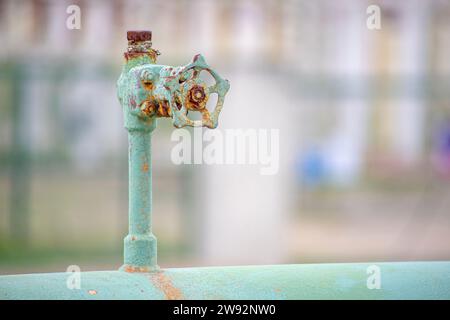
194,93
149,90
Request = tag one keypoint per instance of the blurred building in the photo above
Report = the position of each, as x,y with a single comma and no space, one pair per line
355,108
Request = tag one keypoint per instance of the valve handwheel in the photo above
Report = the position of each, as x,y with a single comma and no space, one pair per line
192,94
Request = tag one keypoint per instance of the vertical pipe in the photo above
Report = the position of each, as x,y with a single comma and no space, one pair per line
140,243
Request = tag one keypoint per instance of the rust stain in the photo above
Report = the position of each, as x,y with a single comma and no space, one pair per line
148,85
149,107
167,111
145,167
133,55
129,269
164,283
133,269
196,98
139,35
153,107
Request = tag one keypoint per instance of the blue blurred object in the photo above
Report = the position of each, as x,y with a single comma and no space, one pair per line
311,167
442,148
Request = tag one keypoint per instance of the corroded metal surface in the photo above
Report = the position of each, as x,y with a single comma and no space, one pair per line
139,45
402,280
148,91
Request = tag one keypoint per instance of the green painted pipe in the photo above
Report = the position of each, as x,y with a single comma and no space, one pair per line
401,280
140,243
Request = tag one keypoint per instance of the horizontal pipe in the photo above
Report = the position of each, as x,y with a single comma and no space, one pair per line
398,280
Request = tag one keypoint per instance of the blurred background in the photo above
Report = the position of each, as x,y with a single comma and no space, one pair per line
363,114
